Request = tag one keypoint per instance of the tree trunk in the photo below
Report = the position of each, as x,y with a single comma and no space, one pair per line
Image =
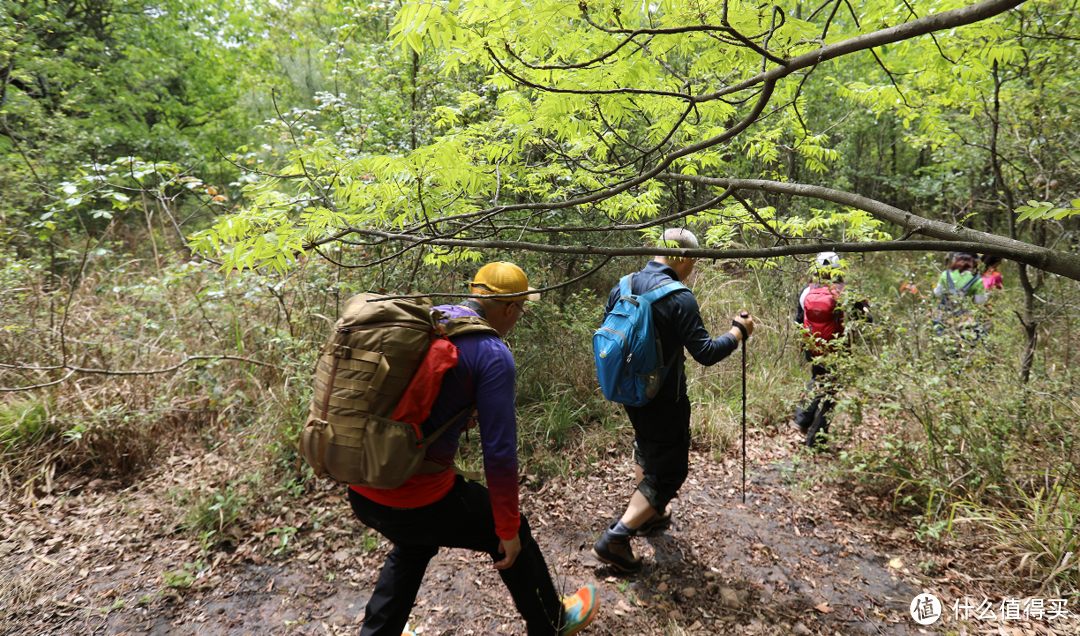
1027,319
1030,325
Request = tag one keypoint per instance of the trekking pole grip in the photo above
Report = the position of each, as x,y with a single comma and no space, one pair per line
739,325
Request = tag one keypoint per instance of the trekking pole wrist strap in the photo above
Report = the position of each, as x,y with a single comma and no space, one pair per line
736,323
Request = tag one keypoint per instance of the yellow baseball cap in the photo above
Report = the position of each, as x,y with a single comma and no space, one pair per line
502,278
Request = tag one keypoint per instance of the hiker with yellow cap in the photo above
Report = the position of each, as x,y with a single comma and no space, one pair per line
443,509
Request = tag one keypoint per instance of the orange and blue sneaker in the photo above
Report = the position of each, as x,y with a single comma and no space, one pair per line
579,610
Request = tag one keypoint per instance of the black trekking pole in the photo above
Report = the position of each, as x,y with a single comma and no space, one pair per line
746,339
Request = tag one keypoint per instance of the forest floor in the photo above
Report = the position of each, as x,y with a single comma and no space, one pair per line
799,557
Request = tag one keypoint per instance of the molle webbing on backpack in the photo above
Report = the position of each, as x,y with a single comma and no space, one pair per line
362,373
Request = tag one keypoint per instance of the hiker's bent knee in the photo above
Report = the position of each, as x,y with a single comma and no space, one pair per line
658,490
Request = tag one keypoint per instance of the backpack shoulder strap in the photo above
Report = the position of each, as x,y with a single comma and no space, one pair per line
967,286
949,280
624,285
442,429
430,467
465,325
656,293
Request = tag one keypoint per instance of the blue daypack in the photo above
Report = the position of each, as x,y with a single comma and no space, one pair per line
628,356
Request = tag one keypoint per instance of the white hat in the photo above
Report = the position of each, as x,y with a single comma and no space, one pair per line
827,259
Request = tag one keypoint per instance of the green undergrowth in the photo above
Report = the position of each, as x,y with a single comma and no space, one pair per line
212,510
24,422
959,444
962,446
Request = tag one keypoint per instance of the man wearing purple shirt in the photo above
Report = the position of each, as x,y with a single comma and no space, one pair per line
442,509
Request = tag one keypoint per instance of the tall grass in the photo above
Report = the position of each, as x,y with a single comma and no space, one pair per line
127,331
966,448
962,446
772,361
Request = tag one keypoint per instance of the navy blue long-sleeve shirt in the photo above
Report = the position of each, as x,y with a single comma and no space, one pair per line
677,321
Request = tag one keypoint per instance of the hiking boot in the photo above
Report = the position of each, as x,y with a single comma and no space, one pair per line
654,525
817,434
799,427
579,610
614,549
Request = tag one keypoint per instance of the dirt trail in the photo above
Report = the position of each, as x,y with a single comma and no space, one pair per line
90,558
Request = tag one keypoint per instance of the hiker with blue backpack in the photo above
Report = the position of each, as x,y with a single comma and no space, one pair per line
819,315
651,316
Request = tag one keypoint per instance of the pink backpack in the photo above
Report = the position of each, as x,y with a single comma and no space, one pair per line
821,318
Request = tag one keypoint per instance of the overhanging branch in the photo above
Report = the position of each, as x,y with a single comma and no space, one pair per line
1046,259
1020,255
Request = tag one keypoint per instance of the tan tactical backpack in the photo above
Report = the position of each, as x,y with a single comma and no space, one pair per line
361,375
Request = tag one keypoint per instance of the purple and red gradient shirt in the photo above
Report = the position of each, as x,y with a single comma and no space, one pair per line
484,375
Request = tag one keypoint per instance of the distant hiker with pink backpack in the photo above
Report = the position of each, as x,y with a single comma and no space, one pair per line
820,315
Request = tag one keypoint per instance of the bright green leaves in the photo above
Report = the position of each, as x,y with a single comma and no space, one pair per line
563,110
427,19
1041,210
731,224
848,224
816,153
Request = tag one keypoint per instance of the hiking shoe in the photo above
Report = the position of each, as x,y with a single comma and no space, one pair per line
614,549
579,610
817,434
655,525
799,427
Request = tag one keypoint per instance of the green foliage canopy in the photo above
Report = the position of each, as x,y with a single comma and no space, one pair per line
598,117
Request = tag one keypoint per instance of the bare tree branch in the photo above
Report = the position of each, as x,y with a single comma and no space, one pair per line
72,370
1049,260
542,290
921,26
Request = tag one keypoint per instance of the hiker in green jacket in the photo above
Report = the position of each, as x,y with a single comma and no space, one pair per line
960,289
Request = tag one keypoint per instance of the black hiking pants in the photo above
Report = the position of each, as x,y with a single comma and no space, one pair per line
812,418
661,448
461,519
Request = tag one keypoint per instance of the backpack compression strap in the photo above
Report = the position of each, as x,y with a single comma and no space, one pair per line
430,467
974,277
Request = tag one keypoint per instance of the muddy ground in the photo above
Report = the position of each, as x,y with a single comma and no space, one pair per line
84,556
